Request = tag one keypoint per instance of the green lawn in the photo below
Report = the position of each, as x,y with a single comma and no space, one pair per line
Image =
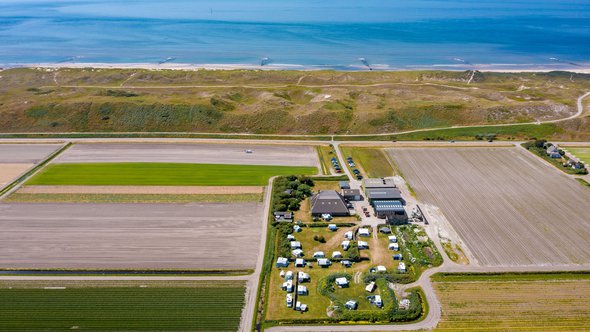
205,306
372,161
582,153
133,198
163,174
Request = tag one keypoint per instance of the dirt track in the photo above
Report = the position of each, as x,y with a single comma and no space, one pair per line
192,153
190,236
509,207
182,190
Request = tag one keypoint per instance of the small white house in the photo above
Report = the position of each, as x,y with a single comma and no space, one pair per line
345,245
349,235
392,238
381,268
297,228
319,254
324,262
351,305
363,245
336,254
401,267
295,245
300,306
287,286
289,275
342,282
371,287
333,227
303,277
378,302
297,253
393,246
282,262
301,290
289,301
364,232
299,262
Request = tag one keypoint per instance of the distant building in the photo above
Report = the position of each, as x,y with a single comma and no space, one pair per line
351,194
384,194
328,202
283,216
378,183
393,211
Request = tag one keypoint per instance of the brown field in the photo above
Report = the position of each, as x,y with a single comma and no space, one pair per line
508,206
558,304
25,153
9,172
172,190
279,155
183,236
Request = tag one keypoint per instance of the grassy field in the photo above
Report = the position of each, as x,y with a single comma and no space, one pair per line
133,198
582,153
514,302
161,174
120,306
371,161
281,102
326,153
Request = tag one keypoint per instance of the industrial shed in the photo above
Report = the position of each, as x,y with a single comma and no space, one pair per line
384,194
378,183
352,194
393,211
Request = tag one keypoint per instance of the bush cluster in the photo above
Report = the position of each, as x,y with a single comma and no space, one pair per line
301,188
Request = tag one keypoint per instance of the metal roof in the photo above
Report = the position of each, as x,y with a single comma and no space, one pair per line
388,206
378,183
384,193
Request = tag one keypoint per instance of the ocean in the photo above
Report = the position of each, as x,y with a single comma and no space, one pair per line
342,34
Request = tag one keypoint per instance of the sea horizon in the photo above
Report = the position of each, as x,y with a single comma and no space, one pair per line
298,35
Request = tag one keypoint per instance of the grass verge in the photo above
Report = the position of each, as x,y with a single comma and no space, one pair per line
133,198
161,174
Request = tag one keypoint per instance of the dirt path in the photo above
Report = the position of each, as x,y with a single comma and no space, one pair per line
182,190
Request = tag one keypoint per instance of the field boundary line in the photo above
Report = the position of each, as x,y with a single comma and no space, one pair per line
14,185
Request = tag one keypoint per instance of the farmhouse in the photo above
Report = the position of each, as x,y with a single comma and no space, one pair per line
351,194
283,216
328,202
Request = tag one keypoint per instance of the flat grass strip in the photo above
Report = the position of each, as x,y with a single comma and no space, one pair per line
161,174
372,160
582,153
132,198
122,308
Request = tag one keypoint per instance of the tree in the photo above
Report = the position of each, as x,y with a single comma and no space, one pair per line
305,189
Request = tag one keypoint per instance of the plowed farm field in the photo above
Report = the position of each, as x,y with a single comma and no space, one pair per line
509,207
525,302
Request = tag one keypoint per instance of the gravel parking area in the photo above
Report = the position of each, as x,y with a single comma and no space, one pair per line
142,236
509,207
279,155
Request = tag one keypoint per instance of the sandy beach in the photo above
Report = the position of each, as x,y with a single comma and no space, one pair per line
582,68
